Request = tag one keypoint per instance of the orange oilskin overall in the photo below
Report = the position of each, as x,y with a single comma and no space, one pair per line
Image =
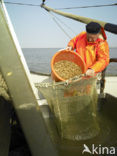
94,54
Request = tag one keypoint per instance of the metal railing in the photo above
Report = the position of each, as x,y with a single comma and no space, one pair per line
103,81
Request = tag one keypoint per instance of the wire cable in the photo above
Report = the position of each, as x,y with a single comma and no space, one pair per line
36,5
25,4
54,19
92,6
65,25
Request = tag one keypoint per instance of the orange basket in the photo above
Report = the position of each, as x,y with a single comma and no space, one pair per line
69,56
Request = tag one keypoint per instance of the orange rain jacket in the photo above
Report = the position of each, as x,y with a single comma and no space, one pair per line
95,55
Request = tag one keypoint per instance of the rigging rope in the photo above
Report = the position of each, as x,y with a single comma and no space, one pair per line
26,4
54,18
107,26
36,5
105,5
65,25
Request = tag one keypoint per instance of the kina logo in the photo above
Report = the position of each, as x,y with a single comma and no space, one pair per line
86,149
98,150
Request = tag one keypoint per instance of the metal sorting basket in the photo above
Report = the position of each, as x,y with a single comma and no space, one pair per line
73,103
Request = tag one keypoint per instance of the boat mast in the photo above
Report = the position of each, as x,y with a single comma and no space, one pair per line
107,26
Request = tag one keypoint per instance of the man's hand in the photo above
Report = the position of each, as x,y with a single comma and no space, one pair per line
68,48
90,72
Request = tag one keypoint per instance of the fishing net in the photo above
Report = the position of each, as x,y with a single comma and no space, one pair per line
73,103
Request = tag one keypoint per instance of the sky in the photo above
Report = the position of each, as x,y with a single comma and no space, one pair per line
35,27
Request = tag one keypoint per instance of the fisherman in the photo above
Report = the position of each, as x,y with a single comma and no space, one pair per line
92,47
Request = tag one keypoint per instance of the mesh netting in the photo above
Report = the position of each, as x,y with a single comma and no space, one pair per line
73,103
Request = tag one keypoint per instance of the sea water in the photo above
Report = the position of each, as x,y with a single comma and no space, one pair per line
38,59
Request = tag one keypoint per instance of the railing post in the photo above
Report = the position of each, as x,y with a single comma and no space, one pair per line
103,81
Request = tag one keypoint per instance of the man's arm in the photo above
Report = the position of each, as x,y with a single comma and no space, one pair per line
72,43
102,58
